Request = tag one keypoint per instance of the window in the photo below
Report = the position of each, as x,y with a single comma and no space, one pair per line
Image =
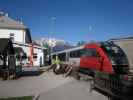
115,53
75,54
35,56
117,57
12,37
62,56
89,52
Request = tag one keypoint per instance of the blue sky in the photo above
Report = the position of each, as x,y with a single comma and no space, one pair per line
76,20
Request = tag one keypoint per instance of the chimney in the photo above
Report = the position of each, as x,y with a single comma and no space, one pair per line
21,22
1,13
6,14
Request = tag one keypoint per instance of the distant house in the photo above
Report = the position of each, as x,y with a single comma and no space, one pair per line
15,30
122,39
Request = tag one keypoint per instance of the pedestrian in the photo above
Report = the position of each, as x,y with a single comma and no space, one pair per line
55,63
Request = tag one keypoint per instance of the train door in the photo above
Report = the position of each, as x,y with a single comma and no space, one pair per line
74,58
62,57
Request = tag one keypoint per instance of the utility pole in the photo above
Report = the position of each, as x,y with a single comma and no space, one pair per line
50,41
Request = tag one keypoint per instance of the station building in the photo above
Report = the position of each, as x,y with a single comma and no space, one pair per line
21,38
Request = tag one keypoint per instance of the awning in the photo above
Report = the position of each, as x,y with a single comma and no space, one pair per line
18,50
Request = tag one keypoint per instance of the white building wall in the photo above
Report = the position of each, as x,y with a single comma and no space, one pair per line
19,38
39,61
19,35
38,51
26,49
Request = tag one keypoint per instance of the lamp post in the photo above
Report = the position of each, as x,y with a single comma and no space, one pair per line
50,41
52,21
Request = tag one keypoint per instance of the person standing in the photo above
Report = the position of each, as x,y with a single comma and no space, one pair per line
55,63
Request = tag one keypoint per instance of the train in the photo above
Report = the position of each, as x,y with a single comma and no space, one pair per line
107,63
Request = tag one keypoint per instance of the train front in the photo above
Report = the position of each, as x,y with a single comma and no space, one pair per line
122,80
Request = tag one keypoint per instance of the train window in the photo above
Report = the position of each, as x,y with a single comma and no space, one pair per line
116,56
114,52
75,54
62,56
54,56
89,52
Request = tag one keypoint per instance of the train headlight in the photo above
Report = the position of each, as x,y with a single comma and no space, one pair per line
113,62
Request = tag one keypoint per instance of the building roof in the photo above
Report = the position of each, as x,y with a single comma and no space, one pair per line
123,38
8,23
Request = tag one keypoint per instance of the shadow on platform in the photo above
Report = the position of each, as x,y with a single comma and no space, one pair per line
31,73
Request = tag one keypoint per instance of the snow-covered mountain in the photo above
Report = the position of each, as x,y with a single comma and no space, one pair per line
49,41
56,44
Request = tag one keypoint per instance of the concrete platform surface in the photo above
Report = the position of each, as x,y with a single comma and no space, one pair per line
49,87
74,90
31,85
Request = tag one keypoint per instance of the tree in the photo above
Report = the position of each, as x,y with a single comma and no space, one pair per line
81,43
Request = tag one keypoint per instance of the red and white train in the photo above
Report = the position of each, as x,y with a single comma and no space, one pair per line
106,57
106,62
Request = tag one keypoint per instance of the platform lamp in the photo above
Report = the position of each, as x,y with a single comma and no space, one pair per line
50,41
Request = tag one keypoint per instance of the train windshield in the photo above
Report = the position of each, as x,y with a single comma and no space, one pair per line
115,53
89,52
117,57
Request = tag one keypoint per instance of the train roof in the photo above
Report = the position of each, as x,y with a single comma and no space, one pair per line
80,47
68,50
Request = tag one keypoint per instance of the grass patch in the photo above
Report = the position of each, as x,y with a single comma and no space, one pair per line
18,98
